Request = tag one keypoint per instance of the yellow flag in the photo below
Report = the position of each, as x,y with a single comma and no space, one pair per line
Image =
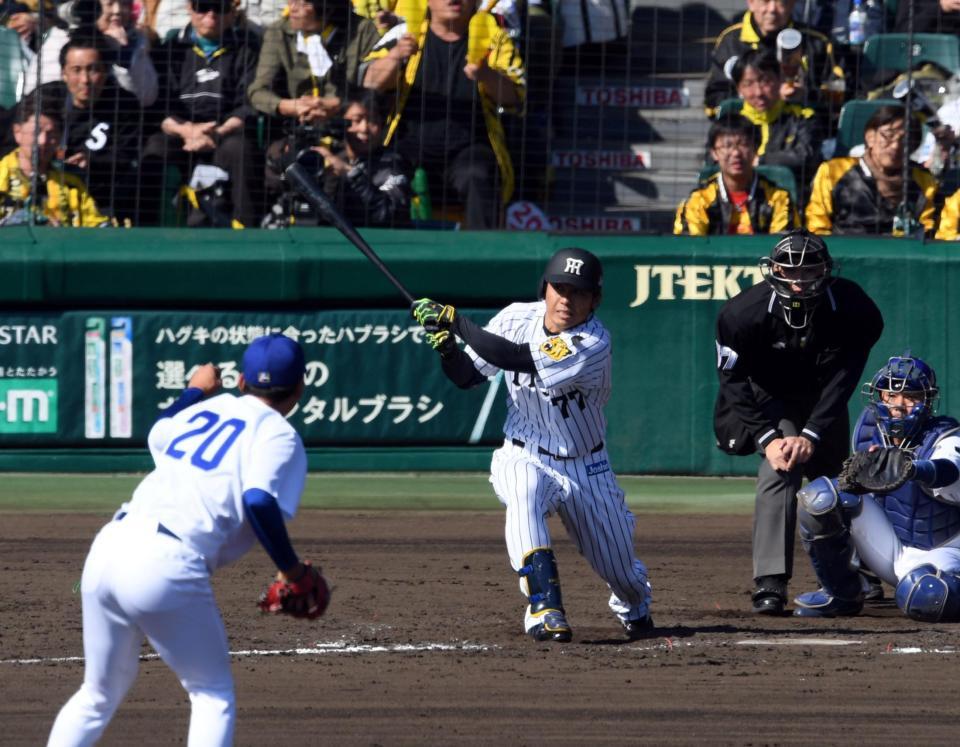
480,36
370,8
413,12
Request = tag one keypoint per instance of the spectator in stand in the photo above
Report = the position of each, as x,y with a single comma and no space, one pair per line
789,135
125,49
370,184
102,127
164,18
316,51
204,74
446,116
23,17
865,195
929,17
735,200
763,21
66,201
949,228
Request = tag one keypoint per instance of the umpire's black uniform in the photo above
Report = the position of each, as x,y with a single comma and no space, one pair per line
778,381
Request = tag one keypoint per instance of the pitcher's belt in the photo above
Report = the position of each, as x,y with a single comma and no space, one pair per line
160,527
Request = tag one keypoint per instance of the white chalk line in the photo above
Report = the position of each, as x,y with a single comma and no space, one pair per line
661,644
317,650
798,642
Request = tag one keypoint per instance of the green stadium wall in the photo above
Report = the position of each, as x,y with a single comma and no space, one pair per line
101,327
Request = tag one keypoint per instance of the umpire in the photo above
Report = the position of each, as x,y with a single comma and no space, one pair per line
790,353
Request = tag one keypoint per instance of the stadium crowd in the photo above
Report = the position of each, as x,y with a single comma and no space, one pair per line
169,112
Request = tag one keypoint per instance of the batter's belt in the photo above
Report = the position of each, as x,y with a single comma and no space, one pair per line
544,452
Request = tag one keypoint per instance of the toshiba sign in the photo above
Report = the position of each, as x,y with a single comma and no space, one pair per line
641,97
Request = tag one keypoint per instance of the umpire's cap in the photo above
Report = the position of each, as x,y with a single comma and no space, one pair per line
573,266
273,362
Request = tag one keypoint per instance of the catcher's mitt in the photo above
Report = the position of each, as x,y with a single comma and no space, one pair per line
307,597
878,471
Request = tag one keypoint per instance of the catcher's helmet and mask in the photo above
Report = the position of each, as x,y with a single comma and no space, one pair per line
799,271
903,375
573,266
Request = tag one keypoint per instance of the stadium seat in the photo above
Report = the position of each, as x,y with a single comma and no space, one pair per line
780,175
853,117
728,107
887,54
12,68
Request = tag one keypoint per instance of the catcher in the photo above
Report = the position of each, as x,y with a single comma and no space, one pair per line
895,504
229,470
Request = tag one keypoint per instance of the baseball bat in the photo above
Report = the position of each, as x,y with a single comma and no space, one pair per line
306,185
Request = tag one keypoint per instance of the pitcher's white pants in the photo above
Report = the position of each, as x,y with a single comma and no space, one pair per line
138,582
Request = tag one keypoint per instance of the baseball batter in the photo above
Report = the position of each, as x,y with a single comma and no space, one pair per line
909,535
556,356
229,470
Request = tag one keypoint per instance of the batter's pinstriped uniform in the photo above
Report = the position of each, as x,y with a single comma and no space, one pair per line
554,458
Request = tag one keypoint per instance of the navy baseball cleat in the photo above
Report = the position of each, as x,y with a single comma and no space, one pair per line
770,596
638,629
553,626
820,604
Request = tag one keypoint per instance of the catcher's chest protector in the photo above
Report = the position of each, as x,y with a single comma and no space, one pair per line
918,519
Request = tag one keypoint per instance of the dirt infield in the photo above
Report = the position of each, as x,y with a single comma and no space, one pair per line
423,645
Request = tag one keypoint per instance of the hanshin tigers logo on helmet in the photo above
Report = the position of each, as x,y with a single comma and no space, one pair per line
573,266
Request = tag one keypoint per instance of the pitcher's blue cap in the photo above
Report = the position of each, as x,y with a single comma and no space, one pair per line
273,362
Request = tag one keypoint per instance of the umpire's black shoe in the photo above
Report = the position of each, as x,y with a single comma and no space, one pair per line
553,626
770,596
638,629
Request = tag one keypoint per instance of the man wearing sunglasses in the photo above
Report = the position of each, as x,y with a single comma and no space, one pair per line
205,71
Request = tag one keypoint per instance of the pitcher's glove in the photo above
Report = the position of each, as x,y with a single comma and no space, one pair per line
432,316
307,597
880,471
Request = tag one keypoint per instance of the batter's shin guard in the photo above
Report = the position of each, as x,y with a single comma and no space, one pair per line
539,571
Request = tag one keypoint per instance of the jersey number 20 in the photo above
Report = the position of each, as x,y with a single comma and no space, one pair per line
224,435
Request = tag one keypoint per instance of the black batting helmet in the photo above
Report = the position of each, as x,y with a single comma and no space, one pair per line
573,266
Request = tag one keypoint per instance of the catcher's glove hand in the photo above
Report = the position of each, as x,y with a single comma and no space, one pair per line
307,597
432,316
879,471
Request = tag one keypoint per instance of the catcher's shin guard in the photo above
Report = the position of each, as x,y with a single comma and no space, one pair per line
545,618
827,541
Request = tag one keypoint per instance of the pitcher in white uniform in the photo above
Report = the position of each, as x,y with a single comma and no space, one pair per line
229,470
556,357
